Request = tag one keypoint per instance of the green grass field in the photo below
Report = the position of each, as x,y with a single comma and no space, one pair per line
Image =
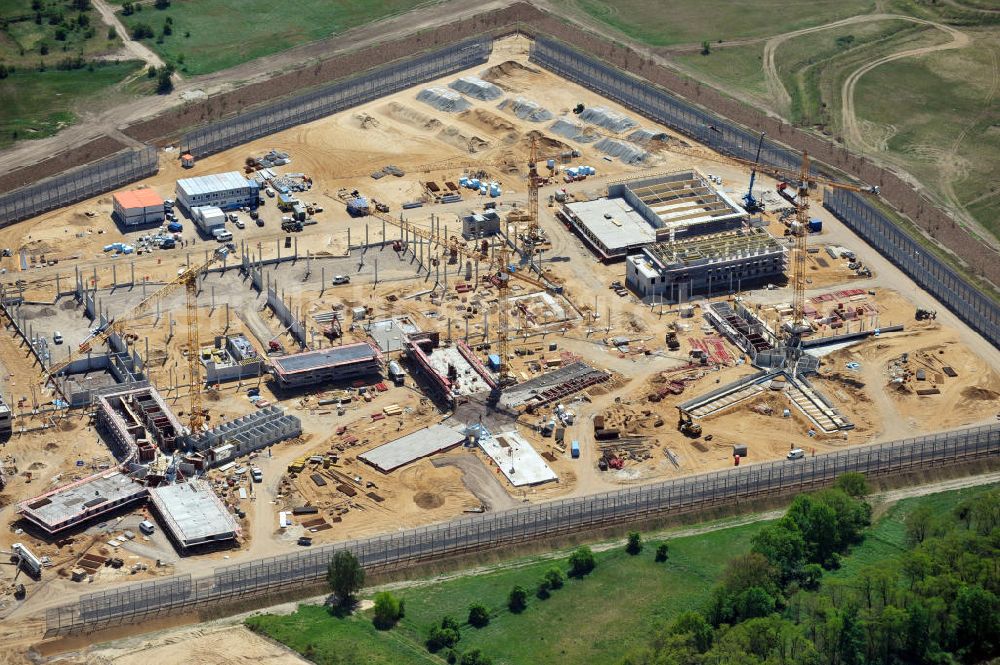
886,539
204,40
594,620
587,620
670,22
949,136
38,104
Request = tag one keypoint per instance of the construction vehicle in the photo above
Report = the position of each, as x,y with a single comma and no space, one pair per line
750,203
187,279
687,427
925,314
671,340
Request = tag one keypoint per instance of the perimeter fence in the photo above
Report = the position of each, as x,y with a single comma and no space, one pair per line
970,304
233,583
78,184
330,99
641,96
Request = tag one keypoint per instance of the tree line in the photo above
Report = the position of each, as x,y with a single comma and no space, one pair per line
937,603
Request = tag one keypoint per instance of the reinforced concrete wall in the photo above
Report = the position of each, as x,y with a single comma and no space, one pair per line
970,304
248,433
295,327
330,99
78,184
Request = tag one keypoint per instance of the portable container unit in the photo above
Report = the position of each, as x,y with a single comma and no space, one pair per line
138,207
229,191
551,164
815,225
463,182
574,449
474,183
494,362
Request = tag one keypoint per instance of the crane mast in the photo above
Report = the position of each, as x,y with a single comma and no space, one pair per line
534,182
196,419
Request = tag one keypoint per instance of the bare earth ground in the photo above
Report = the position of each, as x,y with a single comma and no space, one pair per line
397,130
226,640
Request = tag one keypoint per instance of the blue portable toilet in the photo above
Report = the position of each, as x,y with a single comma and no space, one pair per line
494,362
551,164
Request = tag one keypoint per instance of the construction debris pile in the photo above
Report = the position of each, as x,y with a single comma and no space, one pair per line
603,117
473,86
525,109
444,99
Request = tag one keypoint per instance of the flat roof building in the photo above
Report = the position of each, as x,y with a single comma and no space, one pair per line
659,208
193,514
681,204
208,218
79,502
705,266
137,207
611,227
227,191
517,460
410,448
338,363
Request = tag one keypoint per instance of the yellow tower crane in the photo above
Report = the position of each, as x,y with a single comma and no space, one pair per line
804,182
186,279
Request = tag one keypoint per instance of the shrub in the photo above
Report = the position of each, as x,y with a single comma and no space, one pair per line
475,657
555,578
517,600
479,617
581,562
661,552
388,610
634,544
444,636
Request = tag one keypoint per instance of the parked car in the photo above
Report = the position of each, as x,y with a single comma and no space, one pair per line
240,224
341,279
796,453
57,337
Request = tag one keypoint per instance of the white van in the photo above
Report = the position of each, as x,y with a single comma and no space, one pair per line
796,453
147,527
223,236
57,337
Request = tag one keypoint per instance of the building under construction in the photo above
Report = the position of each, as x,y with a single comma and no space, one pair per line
705,265
338,363
135,421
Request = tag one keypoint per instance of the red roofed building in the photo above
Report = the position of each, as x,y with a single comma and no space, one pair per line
138,207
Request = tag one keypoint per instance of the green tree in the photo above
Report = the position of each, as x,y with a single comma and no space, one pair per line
4,72
753,602
43,49
977,623
517,600
112,33
920,524
810,576
60,34
387,610
162,4
544,590
167,30
128,8
634,544
782,544
164,83
555,578
694,625
345,576
475,657
581,562
479,616
706,48
818,524
445,635
853,484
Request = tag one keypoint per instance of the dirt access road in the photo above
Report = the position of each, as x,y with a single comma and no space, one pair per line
107,120
225,641
131,49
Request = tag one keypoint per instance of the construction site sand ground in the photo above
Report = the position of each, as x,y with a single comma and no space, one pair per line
405,132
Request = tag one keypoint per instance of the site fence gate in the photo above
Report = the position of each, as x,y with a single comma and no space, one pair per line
329,99
127,604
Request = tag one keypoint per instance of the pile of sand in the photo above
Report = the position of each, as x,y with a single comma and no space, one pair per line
411,116
525,109
443,99
454,136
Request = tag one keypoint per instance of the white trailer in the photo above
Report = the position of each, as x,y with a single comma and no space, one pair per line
27,560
